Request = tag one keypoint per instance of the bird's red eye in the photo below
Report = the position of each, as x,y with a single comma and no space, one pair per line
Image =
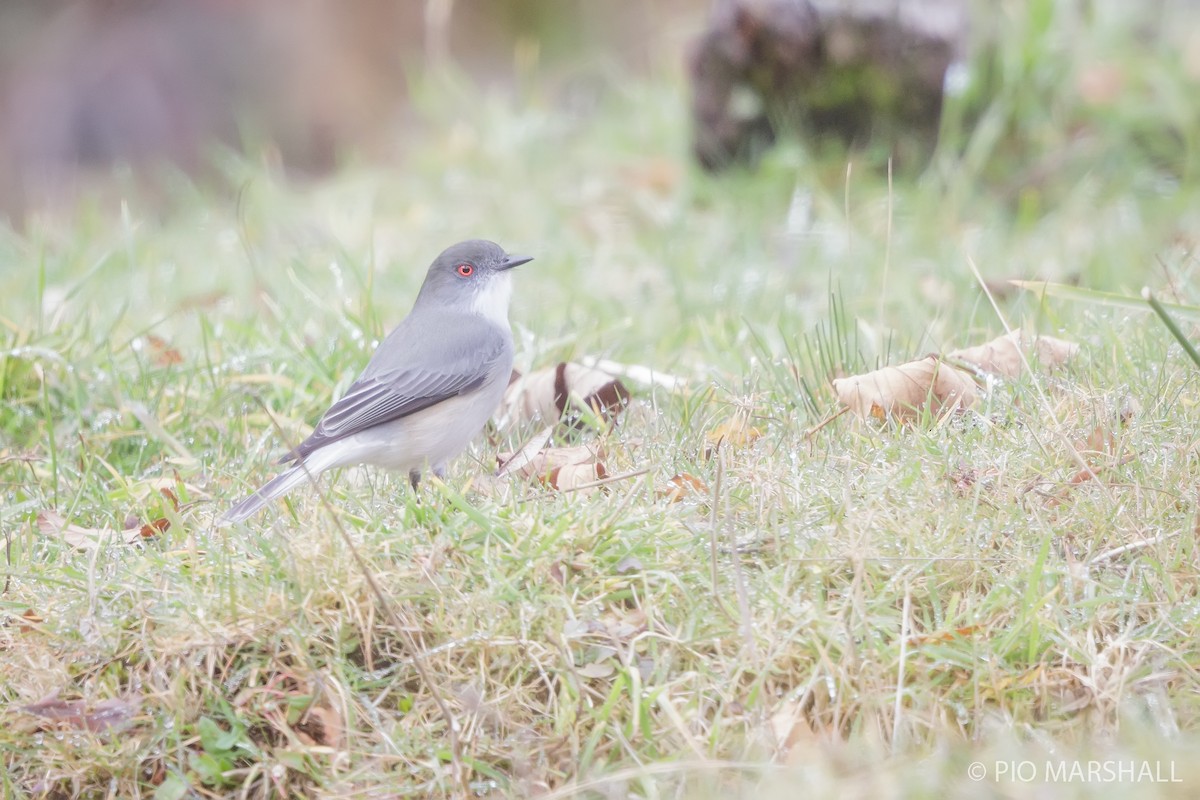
466,270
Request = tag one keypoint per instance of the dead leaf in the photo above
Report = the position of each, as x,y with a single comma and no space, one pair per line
293,706
1129,409
942,637
597,669
171,497
51,523
732,434
576,628
483,712
638,373
321,726
30,619
900,392
550,458
623,625
1090,473
152,529
559,467
167,486
1105,437
1083,476
791,727
575,476
518,461
107,715
161,352
1002,355
682,485
1102,440
562,393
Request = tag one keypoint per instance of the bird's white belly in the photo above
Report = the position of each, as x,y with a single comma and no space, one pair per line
428,438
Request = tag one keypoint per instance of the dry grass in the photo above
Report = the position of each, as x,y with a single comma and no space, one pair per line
862,611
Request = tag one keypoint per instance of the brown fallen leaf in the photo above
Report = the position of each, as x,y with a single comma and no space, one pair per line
30,619
51,523
942,637
107,715
558,467
792,730
161,352
171,497
1105,437
152,529
563,393
682,485
901,392
1002,355
1083,476
484,713
321,726
575,476
638,373
515,462
732,434
1090,473
293,705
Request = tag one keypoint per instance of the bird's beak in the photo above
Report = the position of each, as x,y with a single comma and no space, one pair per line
514,261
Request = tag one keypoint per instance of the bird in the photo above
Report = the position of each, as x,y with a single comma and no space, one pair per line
430,386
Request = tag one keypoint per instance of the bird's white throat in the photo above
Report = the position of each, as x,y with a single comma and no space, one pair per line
492,302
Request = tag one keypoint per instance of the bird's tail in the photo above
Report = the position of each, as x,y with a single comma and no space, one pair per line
277,486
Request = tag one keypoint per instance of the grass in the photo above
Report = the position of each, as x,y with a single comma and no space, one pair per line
860,612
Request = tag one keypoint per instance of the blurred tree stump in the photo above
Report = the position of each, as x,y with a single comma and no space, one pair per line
861,72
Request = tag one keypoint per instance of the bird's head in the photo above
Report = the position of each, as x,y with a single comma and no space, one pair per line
471,276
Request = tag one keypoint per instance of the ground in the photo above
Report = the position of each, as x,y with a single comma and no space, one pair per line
941,608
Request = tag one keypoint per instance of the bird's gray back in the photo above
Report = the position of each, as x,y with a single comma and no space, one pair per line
429,358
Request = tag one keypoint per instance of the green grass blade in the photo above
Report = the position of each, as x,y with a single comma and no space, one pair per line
1080,294
1171,326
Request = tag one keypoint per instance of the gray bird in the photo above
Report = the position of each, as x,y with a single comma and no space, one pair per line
429,388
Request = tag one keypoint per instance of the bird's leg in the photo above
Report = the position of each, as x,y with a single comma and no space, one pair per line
414,478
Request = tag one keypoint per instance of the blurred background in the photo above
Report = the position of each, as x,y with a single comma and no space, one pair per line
628,122
92,86
89,85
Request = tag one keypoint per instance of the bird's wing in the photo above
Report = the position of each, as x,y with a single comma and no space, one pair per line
383,395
